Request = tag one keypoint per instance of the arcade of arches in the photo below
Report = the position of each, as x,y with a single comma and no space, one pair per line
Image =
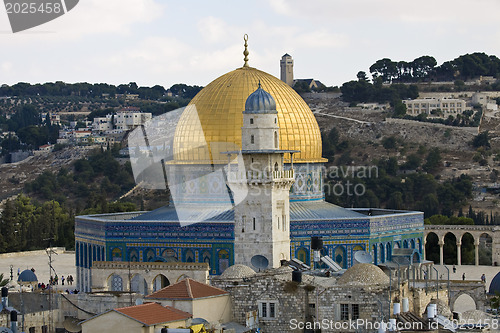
143,277
462,244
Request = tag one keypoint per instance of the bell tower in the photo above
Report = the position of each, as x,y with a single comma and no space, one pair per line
261,187
286,66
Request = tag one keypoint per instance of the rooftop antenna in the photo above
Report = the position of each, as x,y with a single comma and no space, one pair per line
50,252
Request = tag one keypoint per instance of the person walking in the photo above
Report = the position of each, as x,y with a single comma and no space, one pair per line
463,277
483,278
62,280
454,269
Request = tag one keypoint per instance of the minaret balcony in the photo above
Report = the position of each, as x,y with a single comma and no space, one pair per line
261,176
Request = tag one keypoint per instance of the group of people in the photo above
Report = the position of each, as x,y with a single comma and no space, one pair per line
55,280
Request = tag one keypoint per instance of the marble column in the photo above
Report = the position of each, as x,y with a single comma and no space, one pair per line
476,248
459,254
441,255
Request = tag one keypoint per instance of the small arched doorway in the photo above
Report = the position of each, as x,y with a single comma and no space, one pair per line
159,282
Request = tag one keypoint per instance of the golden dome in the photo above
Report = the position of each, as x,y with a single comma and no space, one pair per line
212,121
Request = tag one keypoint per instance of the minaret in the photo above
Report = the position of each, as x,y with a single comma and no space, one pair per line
261,187
286,64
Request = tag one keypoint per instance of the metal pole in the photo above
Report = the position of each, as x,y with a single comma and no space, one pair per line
399,279
437,282
448,283
427,281
390,292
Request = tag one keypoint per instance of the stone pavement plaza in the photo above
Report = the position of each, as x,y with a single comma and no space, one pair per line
63,262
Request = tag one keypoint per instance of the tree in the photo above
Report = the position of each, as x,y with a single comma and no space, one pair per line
433,161
430,205
413,161
362,76
390,142
399,109
481,140
384,68
3,282
423,66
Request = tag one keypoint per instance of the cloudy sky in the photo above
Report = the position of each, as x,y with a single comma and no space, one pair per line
166,42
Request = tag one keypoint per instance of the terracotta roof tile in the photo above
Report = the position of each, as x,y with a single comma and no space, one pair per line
153,313
187,289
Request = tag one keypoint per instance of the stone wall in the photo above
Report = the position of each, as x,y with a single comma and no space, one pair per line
323,302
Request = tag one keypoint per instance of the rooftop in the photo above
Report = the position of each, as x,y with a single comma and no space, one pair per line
153,313
187,289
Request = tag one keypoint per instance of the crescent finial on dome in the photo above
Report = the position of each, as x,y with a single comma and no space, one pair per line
245,52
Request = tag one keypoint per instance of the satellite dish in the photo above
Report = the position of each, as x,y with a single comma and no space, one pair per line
72,324
362,257
259,261
139,301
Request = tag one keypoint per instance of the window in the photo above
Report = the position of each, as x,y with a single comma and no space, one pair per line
268,309
344,311
254,223
355,311
252,139
251,121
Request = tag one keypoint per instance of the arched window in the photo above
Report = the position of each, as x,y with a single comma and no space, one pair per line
133,255
116,254
139,285
223,260
150,255
115,283
340,256
382,253
251,121
275,139
160,281
189,256
252,139
302,256
276,166
206,256
169,255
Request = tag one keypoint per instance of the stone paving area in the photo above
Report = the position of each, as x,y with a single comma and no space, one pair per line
63,262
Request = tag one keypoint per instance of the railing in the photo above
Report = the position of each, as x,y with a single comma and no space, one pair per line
433,227
148,265
261,175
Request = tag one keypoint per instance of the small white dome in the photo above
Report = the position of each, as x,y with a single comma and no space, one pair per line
365,275
237,272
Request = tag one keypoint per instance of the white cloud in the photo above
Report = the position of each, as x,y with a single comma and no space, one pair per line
396,10
92,17
213,30
6,66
